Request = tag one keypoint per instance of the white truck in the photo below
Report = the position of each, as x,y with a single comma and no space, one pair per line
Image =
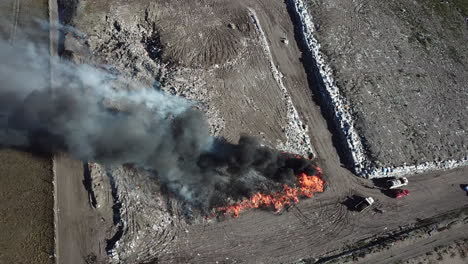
397,183
364,204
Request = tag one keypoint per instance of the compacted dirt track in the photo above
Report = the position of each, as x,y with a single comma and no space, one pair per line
417,248
81,230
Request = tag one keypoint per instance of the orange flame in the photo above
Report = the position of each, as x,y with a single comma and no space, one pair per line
306,187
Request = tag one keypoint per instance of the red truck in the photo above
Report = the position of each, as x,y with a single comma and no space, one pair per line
399,193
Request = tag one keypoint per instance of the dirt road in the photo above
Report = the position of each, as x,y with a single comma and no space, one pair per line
80,234
414,248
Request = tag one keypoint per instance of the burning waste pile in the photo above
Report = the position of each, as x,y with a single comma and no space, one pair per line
306,186
100,117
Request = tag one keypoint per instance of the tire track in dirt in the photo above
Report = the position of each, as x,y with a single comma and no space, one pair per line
149,221
16,15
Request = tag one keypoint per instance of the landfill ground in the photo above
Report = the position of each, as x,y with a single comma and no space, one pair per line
401,67
227,55
230,56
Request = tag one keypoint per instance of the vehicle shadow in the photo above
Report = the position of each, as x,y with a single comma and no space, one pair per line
351,201
388,193
463,187
381,184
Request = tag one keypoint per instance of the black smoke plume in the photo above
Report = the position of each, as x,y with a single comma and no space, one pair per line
97,116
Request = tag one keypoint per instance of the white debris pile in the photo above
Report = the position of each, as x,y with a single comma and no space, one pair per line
188,84
149,220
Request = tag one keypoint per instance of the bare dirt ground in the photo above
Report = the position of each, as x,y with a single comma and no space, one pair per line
230,60
82,227
408,243
415,250
455,253
401,66
26,209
